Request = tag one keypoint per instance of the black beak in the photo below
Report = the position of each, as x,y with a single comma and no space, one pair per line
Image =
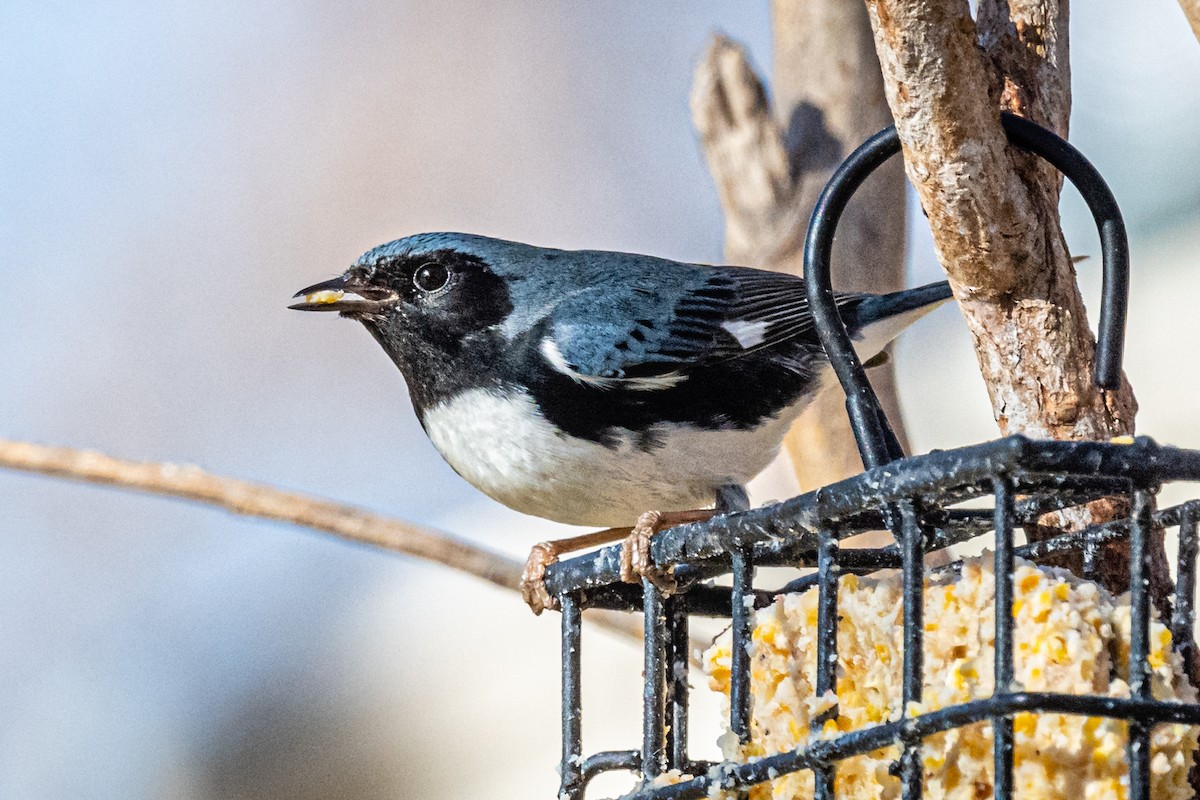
343,295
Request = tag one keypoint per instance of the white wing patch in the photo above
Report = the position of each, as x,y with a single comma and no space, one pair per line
749,333
651,384
555,358
550,351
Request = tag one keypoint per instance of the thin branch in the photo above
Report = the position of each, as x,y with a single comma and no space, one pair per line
266,502
250,499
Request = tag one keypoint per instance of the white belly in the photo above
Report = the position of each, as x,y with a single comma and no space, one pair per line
504,447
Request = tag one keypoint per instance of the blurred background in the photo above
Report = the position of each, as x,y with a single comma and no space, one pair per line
171,173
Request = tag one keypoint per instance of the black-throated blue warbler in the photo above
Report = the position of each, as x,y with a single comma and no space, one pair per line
589,387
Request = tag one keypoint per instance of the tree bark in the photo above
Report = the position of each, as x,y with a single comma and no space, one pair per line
770,165
994,213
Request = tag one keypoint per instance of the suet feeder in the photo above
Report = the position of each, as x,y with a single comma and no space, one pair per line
926,503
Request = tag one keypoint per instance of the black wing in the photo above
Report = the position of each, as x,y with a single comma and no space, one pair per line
651,336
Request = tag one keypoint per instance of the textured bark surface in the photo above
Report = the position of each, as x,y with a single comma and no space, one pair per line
994,218
770,165
994,212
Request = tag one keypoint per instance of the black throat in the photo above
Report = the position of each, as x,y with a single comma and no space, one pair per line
444,340
437,368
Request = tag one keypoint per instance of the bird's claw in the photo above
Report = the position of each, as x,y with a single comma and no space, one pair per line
533,577
636,563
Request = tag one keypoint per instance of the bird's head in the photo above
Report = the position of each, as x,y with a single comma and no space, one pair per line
422,297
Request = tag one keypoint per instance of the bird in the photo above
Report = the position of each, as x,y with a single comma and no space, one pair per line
597,388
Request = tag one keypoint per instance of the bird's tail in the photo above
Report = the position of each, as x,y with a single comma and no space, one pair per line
876,320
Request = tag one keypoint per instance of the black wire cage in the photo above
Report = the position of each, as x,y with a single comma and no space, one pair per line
919,499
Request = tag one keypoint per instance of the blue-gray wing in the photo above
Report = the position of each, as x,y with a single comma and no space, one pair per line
650,335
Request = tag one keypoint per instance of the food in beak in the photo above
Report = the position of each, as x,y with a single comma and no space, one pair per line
324,296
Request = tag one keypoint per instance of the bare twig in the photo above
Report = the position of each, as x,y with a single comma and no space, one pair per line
770,165
266,502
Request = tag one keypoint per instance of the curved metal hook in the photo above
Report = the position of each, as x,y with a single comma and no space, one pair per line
876,441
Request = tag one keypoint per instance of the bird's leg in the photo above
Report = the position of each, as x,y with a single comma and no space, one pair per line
635,550
731,498
543,554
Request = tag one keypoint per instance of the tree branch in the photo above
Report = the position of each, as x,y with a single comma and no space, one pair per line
1028,45
251,499
994,213
266,502
768,174
745,152
1027,317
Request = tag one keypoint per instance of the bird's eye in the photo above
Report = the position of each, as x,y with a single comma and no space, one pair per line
431,277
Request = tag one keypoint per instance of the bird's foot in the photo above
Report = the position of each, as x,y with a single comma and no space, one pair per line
543,554
636,563
635,555
533,577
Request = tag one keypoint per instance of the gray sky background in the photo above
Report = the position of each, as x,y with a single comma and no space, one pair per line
171,173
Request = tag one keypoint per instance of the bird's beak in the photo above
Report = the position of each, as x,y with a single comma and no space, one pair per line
346,295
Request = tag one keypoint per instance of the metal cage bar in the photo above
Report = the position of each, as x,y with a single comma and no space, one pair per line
912,547
828,572
1002,725
1184,612
572,689
742,621
1138,747
654,689
677,683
